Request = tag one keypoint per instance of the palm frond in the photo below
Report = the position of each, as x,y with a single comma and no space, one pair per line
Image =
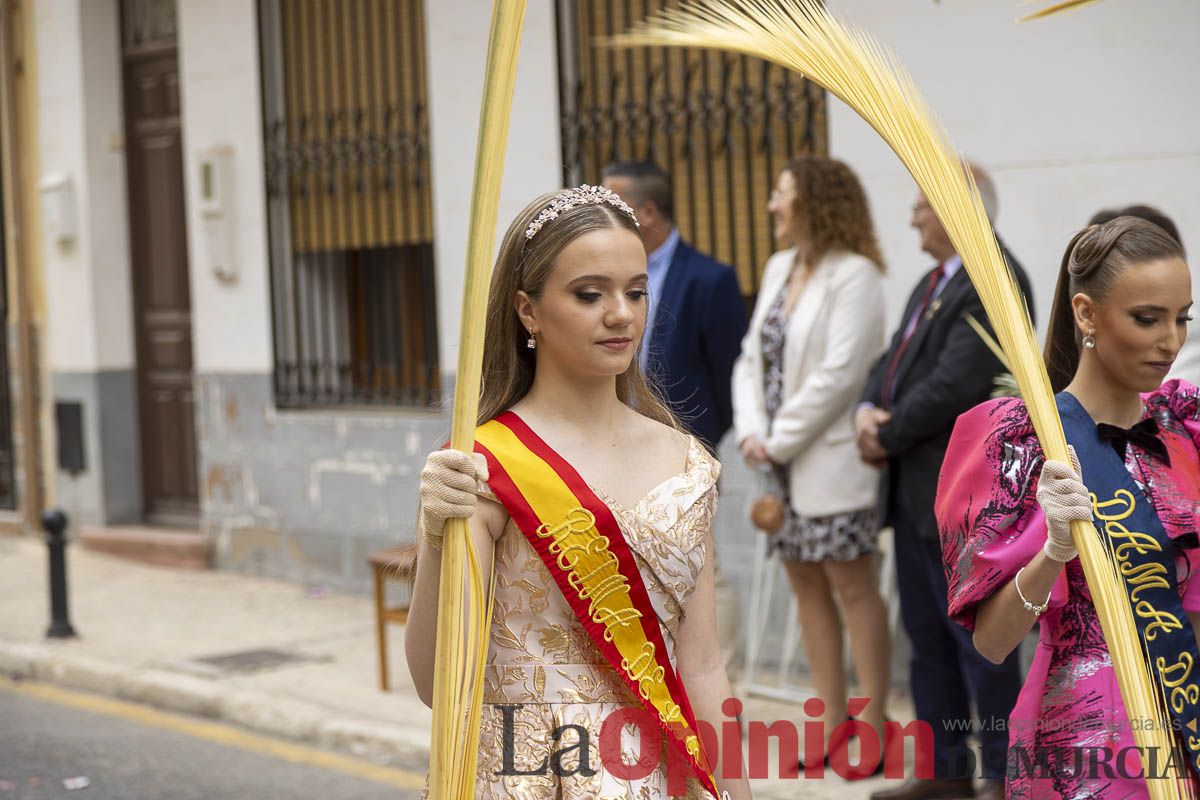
802,36
987,338
1004,384
464,598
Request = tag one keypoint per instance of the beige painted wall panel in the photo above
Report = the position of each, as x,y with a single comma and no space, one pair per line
219,78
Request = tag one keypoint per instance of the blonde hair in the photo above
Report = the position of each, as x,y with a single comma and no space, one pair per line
524,265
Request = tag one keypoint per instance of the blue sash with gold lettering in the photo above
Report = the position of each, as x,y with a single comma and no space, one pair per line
1145,557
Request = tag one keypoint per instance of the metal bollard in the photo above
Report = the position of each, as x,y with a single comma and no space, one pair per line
55,523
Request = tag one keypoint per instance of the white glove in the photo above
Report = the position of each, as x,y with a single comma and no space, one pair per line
1063,498
448,490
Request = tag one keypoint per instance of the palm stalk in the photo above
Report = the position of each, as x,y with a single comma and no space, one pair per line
464,606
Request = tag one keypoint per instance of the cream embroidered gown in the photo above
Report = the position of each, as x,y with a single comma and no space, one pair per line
541,661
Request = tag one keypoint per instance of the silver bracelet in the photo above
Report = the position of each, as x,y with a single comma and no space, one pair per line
1036,610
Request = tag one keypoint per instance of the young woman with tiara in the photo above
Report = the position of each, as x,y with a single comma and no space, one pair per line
594,511
1120,316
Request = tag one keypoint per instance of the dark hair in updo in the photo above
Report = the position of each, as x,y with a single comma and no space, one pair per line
1095,258
1148,213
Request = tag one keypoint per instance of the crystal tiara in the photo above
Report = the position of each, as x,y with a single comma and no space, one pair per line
584,195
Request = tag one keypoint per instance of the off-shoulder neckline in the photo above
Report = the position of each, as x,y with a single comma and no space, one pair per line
691,462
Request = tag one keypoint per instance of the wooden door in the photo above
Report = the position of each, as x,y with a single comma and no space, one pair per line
158,242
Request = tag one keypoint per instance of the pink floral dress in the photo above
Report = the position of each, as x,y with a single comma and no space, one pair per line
991,525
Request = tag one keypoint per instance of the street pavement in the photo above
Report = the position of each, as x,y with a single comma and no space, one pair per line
58,745
145,631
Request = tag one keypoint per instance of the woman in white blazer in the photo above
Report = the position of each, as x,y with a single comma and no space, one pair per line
816,330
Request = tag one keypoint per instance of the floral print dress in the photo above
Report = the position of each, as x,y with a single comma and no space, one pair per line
836,537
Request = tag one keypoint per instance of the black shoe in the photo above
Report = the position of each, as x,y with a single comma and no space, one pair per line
803,766
860,772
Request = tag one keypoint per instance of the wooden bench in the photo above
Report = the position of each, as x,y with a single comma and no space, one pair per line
397,564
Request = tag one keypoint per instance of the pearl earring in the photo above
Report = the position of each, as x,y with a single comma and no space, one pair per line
531,342
1089,342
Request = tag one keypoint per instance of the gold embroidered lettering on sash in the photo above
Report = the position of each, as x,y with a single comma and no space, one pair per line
1170,673
1140,543
1139,577
606,586
671,712
614,618
582,561
1184,696
638,668
646,685
576,538
646,672
1163,621
578,582
1123,498
1146,576
567,559
579,520
1194,744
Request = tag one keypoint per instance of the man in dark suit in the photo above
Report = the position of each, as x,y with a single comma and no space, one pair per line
696,317
936,368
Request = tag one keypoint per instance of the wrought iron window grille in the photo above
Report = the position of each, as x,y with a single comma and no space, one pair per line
346,139
722,125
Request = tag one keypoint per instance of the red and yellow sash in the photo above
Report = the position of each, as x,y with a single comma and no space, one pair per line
579,541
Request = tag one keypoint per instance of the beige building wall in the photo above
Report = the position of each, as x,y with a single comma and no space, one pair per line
1078,112
457,45
1070,114
89,349
222,109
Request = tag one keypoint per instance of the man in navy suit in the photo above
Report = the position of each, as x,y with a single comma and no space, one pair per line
696,317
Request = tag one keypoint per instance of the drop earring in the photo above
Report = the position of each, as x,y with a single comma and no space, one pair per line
531,342
1089,341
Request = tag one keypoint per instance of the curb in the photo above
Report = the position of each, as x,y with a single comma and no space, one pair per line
260,712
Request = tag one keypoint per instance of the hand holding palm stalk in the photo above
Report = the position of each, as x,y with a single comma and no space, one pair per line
802,36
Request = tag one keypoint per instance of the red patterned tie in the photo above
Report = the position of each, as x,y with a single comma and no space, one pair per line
935,278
